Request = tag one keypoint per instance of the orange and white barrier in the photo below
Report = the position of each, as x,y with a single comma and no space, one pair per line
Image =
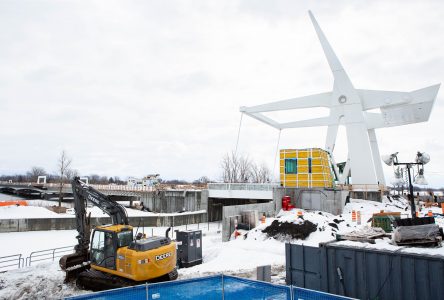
353,215
14,202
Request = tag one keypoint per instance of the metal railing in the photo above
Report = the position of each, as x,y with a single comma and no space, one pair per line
243,186
362,187
11,260
49,254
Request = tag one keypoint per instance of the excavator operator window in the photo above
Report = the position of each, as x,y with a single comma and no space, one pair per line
103,249
124,238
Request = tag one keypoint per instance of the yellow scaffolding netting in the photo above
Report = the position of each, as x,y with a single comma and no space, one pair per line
305,168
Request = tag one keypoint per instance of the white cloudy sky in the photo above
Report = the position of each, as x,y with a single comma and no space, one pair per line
129,88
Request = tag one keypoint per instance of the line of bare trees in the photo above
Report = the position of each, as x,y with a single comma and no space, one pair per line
64,174
240,168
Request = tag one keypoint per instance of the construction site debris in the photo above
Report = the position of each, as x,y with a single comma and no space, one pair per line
425,235
295,231
414,221
365,234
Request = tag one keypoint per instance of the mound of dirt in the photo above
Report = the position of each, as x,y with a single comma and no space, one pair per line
296,231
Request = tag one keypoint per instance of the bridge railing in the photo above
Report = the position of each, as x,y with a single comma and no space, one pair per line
362,187
108,187
243,186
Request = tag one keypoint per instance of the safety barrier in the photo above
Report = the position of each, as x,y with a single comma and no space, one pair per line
211,287
17,261
9,262
49,254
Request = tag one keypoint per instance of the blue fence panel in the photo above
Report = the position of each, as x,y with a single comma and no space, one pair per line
240,288
197,288
211,287
128,293
304,294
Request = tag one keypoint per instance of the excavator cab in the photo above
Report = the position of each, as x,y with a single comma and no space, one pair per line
105,243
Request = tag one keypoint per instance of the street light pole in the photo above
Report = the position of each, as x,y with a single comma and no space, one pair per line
422,158
412,200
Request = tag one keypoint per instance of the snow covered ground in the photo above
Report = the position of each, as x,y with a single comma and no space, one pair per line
238,257
37,210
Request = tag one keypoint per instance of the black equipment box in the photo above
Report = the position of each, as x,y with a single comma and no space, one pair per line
189,248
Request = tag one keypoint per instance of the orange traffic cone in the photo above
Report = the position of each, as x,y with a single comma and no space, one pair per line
430,213
263,219
300,213
442,207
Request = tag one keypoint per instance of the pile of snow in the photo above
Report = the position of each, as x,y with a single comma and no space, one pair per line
44,281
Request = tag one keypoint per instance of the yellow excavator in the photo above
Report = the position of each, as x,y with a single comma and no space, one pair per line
114,258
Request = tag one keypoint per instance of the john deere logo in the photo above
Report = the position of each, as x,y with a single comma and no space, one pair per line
163,256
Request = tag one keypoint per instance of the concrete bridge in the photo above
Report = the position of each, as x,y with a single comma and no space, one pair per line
262,191
51,190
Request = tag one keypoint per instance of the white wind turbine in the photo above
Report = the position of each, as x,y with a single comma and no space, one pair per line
350,107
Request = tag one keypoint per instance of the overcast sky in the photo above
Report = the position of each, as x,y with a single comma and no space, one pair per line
130,88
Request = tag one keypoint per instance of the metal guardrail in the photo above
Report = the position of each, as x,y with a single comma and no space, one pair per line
362,187
49,254
11,261
17,260
243,186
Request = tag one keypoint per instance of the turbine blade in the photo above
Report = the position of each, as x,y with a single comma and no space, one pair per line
316,100
333,61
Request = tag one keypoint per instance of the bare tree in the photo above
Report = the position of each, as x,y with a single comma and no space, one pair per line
94,179
204,179
230,167
244,169
260,173
71,173
240,168
35,173
63,169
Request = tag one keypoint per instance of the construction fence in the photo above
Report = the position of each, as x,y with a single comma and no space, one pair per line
365,273
211,287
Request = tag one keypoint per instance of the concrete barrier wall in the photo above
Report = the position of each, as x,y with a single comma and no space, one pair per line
236,210
172,201
328,200
20,225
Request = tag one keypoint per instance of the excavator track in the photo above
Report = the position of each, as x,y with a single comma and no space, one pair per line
98,281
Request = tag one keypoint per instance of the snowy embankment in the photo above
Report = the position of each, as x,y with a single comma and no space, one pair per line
239,256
